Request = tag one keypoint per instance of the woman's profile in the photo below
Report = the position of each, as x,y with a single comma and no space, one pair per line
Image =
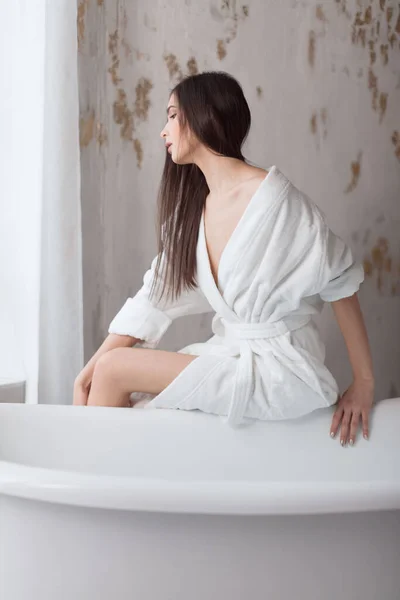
246,243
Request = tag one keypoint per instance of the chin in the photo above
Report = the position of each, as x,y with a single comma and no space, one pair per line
181,160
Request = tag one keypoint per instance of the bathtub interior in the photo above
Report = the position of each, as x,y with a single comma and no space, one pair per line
193,446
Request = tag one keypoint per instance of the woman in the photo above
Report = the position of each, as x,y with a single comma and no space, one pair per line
246,243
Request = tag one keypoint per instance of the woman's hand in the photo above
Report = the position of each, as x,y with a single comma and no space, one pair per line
355,404
82,388
83,381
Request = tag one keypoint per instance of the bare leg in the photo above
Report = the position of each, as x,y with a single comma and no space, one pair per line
122,371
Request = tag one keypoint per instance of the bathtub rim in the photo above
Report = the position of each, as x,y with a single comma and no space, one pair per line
204,497
232,497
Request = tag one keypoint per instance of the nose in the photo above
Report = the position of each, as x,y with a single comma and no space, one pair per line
163,133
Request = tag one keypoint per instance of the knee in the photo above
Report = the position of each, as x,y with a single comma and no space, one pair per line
107,365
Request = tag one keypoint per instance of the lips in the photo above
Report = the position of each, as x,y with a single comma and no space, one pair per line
168,145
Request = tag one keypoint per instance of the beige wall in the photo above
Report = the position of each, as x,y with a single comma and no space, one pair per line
323,84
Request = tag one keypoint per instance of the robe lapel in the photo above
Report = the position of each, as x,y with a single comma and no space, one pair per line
206,281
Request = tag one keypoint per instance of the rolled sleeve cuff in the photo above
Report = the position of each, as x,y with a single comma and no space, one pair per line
138,318
345,285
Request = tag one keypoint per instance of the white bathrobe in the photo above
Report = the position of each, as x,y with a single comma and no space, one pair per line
265,359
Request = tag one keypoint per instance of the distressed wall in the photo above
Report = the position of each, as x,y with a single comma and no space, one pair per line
323,83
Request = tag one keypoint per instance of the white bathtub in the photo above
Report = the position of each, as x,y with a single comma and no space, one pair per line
118,504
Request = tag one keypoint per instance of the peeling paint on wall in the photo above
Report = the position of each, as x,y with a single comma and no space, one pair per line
101,134
373,85
383,98
124,43
142,102
192,66
227,13
367,267
140,55
89,129
397,27
81,15
324,116
318,123
137,145
127,49
380,263
342,5
313,123
355,174
173,66
86,129
396,143
221,49
113,50
385,53
123,116
124,113
175,70
368,31
319,13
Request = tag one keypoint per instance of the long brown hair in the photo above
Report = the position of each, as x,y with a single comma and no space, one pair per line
212,105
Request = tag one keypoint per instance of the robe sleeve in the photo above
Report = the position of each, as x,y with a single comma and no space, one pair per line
340,276
148,319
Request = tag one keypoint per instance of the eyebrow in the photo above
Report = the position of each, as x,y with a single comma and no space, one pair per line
171,106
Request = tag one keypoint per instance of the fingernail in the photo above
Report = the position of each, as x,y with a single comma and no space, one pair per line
351,442
332,434
342,442
365,436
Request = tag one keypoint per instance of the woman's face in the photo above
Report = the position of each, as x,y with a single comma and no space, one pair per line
181,148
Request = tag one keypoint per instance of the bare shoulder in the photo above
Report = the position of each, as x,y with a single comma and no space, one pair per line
250,180
255,177
257,172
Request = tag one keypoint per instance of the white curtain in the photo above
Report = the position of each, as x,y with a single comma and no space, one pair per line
41,332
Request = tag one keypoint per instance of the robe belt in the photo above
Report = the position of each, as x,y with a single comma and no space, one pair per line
246,332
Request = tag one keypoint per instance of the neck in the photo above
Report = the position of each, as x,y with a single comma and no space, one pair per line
221,173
